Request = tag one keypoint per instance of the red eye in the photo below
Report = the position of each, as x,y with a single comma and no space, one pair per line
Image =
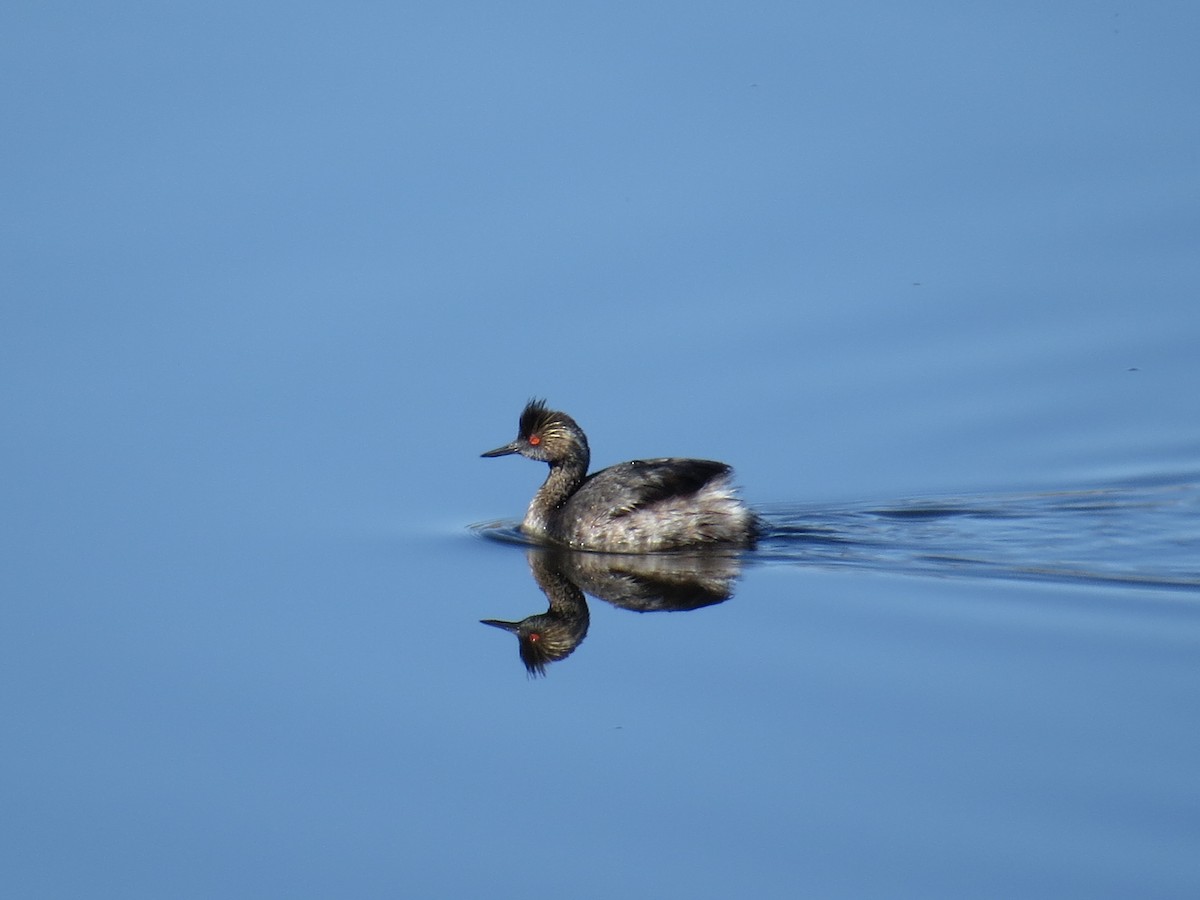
534,637
534,440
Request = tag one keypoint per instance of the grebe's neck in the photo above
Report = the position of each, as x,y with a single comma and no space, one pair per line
564,480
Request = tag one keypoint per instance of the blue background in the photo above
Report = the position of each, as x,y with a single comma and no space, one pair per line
273,275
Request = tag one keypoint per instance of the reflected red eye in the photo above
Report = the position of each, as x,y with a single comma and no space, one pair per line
535,439
534,637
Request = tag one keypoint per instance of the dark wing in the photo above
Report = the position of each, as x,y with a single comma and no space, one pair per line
640,483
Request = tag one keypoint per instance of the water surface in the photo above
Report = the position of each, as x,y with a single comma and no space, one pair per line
273,277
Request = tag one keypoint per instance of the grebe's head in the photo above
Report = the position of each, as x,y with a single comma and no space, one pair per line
545,638
546,435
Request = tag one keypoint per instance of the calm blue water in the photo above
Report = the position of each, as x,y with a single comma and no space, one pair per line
273,277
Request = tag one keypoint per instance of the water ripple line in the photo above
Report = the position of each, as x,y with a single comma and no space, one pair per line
1143,535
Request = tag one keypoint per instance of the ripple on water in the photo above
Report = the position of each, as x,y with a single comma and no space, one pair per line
1144,535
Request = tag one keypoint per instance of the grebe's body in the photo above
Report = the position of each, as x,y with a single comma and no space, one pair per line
635,507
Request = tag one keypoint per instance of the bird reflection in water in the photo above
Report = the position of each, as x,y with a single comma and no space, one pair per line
642,583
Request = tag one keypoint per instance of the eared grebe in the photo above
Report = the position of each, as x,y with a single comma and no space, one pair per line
634,507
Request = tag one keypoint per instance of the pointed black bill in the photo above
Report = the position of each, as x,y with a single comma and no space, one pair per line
512,627
503,451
